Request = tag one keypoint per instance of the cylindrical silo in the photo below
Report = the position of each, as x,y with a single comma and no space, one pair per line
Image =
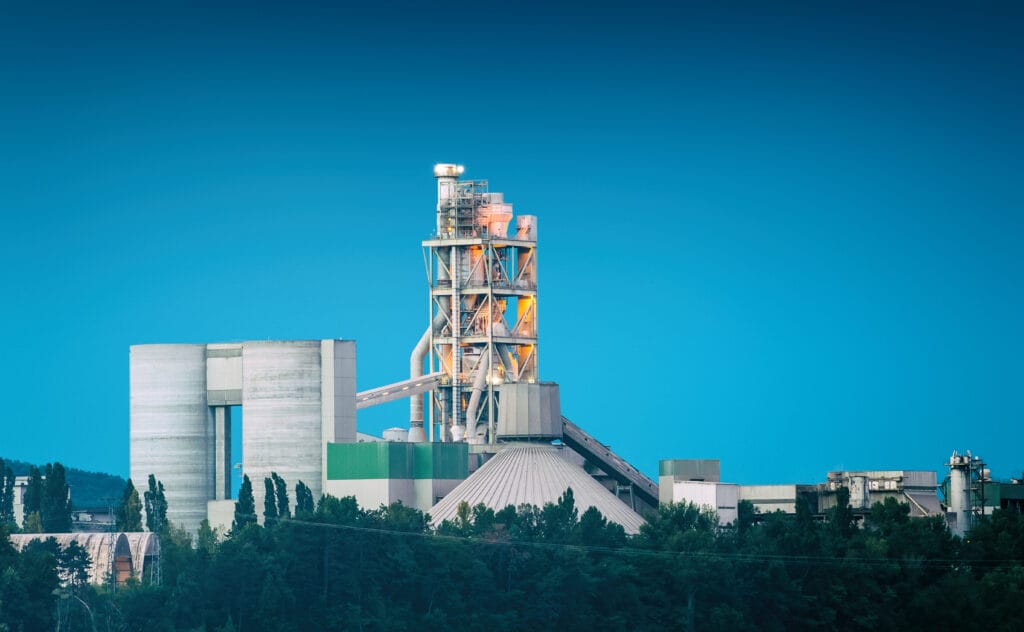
171,427
281,423
959,500
860,495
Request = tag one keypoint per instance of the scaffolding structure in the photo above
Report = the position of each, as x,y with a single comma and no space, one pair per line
483,305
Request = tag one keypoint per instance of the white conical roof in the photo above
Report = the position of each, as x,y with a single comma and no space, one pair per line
533,475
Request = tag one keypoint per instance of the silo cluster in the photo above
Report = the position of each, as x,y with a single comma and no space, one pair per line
294,395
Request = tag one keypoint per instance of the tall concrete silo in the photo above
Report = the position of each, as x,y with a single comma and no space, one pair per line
171,427
281,400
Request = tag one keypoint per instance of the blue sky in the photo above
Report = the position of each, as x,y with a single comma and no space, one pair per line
788,238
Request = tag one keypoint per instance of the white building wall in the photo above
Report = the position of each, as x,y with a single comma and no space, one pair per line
770,498
373,492
722,498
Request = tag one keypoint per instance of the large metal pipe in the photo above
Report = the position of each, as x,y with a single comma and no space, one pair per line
419,353
483,368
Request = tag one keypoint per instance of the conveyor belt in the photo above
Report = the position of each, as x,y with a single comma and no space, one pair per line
614,465
398,390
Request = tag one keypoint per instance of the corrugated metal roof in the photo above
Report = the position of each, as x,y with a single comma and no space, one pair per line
101,547
142,544
534,475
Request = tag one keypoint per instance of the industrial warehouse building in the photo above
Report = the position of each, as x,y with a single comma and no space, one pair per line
698,481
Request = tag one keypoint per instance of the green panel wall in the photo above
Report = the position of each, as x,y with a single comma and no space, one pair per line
383,459
356,461
440,460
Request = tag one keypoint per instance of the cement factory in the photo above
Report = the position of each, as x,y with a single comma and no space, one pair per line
483,426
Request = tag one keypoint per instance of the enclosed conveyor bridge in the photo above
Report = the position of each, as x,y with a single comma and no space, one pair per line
398,390
615,466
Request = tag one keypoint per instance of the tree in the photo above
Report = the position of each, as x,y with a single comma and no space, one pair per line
129,512
156,506
245,506
269,503
304,506
55,505
33,523
73,564
841,516
282,496
6,494
206,539
559,519
33,495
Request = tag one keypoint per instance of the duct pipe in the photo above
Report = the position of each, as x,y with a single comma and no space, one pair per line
419,353
483,368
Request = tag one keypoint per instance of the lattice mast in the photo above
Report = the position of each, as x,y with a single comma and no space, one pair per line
483,305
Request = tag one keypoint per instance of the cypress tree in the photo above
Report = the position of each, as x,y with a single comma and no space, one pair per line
245,506
161,505
6,494
156,506
303,501
129,512
33,495
55,505
269,503
282,496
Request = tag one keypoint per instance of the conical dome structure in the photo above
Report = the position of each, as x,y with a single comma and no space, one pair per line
534,475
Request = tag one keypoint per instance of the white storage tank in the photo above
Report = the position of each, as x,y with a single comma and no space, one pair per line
281,424
171,427
399,435
860,494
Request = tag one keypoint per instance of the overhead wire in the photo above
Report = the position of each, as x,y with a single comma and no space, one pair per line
754,558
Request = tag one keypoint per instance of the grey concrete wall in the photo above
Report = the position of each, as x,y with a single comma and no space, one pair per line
281,418
338,385
171,427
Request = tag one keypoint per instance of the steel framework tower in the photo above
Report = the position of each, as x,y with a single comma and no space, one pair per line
483,306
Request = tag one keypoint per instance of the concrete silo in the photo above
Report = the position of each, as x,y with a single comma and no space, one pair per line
171,427
281,427
296,397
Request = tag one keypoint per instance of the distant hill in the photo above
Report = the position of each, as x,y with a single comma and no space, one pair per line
88,489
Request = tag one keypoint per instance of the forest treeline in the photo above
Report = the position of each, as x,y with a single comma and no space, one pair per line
337,566
91,490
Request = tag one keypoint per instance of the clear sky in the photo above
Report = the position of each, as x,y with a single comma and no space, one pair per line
789,238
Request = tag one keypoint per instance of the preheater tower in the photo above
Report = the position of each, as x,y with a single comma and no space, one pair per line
483,308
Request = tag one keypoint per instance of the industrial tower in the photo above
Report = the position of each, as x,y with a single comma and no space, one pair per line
483,309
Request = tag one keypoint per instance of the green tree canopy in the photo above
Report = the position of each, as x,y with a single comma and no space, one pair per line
245,506
129,511
55,505
304,506
33,495
73,564
6,494
281,490
156,506
269,503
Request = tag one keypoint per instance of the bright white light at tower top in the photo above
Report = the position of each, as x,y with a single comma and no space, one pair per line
445,170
